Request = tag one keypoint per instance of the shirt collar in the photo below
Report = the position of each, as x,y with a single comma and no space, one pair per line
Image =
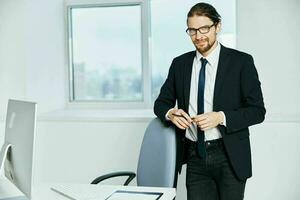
213,57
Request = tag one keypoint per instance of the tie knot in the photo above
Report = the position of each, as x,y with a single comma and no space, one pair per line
203,61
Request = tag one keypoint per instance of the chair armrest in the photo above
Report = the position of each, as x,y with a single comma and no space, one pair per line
131,175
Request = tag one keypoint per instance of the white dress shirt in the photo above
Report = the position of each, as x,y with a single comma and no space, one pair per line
210,78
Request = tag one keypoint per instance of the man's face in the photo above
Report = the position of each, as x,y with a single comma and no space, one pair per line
204,41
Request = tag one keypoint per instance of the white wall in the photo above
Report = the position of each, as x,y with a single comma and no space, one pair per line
84,150
270,30
77,146
32,53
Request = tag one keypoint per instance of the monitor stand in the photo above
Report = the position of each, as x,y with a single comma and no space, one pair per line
7,190
3,155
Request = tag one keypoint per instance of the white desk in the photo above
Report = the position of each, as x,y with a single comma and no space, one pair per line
43,192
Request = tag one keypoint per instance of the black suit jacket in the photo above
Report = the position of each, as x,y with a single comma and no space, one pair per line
237,93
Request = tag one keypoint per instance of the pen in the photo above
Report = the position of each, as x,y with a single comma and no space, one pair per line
178,115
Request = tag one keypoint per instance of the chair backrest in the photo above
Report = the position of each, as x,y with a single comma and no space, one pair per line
157,160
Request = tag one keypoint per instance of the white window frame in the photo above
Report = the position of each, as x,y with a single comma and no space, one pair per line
146,102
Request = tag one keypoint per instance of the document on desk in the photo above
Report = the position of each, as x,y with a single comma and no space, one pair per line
134,195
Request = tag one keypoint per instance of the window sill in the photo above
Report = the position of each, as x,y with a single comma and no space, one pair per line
89,115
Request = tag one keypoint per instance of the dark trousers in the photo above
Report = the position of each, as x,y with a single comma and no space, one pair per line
212,178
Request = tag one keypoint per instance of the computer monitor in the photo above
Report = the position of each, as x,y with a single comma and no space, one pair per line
20,134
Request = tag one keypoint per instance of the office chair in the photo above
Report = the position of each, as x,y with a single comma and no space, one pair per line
157,159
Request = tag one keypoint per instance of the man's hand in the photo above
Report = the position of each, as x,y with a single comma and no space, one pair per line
208,120
180,118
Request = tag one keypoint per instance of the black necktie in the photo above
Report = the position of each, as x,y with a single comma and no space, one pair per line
201,86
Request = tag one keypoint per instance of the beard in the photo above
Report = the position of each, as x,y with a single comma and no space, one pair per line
204,48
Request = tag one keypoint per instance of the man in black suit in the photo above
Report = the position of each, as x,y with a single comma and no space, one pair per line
218,97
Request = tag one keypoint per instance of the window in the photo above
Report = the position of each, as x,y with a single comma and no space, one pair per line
109,47
106,53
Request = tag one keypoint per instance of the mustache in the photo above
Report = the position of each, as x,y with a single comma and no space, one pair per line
202,40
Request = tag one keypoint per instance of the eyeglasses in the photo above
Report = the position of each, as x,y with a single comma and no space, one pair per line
202,29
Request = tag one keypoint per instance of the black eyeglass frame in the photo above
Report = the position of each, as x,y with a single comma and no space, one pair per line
199,29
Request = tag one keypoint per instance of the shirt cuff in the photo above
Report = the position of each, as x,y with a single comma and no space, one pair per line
224,119
166,116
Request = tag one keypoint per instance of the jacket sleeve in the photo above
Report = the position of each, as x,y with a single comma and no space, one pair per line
167,96
252,110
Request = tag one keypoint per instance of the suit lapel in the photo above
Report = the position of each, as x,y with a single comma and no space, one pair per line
223,65
187,79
